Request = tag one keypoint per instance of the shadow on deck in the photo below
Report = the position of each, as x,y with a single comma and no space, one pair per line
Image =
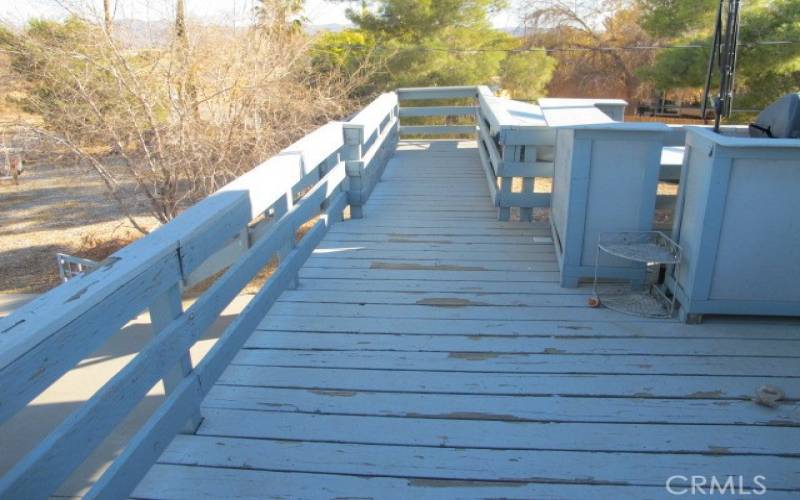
429,352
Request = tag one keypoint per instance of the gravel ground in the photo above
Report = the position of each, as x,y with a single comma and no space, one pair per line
56,209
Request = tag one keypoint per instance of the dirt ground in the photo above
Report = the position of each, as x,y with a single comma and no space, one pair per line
56,208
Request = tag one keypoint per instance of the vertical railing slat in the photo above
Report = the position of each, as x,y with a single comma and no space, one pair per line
504,212
286,203
165,309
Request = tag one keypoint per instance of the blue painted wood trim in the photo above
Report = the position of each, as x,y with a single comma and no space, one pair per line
153,438
704,265
163,311
50,463
32,372
437,111
436,129
427,93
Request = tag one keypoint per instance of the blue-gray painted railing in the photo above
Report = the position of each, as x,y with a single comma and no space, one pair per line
423,94
239,230
515,143
514,140
370,138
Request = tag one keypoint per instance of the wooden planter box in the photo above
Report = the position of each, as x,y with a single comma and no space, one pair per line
606,178
737,222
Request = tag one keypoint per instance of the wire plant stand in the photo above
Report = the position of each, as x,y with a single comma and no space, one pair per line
654,250
70,266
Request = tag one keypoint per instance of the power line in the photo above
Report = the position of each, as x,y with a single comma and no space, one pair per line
622,48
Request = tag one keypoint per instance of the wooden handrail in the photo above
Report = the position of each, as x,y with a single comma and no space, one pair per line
51,334
424,111
374,116
428,93
437,93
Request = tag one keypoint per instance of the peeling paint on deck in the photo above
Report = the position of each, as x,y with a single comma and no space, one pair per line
410,266
707,394
473,356
407,240
333,392
455,483
450,302
469,415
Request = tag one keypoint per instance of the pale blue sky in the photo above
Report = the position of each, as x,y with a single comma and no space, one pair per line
229,11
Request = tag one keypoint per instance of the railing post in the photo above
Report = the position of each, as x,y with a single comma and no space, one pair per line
504,212
387,147
166,308
528,154
352,154
282,207
526,213
396,129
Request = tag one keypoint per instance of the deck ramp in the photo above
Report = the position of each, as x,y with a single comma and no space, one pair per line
429,352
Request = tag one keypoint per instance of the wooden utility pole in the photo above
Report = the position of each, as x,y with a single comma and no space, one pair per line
107,22
180,21
183,48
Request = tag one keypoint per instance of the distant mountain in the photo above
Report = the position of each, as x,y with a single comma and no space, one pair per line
335,27
138,34
514,31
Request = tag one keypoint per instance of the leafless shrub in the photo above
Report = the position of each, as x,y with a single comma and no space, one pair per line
181,118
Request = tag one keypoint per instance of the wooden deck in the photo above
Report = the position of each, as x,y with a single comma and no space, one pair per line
429,352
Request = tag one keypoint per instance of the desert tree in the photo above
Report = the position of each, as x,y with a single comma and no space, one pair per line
768,60
599,45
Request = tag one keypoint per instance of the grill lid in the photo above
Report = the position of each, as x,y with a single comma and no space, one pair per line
781,119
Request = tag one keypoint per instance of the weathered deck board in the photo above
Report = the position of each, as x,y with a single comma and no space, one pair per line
466,464
532,327
410,262
496,434
191,483
429,352
530,363
510,408
503,384
526,344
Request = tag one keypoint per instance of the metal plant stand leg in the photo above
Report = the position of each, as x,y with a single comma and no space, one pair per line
646,298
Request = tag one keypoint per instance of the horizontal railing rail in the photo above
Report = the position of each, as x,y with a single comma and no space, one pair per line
449,113
232,235
423,111
436,93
